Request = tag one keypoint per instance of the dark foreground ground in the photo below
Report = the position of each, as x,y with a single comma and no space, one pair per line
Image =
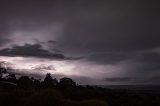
78,96
43,98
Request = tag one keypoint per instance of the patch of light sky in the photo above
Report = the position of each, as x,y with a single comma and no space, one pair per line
68,68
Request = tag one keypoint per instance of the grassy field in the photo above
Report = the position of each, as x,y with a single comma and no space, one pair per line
43,98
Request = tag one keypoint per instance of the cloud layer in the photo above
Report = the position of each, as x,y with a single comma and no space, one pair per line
121,34
31,50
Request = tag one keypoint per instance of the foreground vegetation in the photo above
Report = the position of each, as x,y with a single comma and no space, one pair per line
42,98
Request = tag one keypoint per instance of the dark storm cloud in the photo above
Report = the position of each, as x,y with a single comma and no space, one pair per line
118,79
31,50
4,40
143,67
90,25
3,32
105,32
154,79
146,63
115,32
108,58
109,26
151,56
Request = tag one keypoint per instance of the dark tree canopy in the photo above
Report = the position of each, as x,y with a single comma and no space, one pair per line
24,82
67,82
49,81
2,70
12,77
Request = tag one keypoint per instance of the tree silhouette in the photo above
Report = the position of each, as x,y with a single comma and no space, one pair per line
67,82
12,78
2,70
24,82
36,83
49,82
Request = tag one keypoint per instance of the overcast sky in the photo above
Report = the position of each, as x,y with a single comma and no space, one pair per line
91,41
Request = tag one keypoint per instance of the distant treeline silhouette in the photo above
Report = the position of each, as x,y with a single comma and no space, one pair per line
26,82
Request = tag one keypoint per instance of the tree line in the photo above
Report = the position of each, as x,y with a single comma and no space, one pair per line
26,82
